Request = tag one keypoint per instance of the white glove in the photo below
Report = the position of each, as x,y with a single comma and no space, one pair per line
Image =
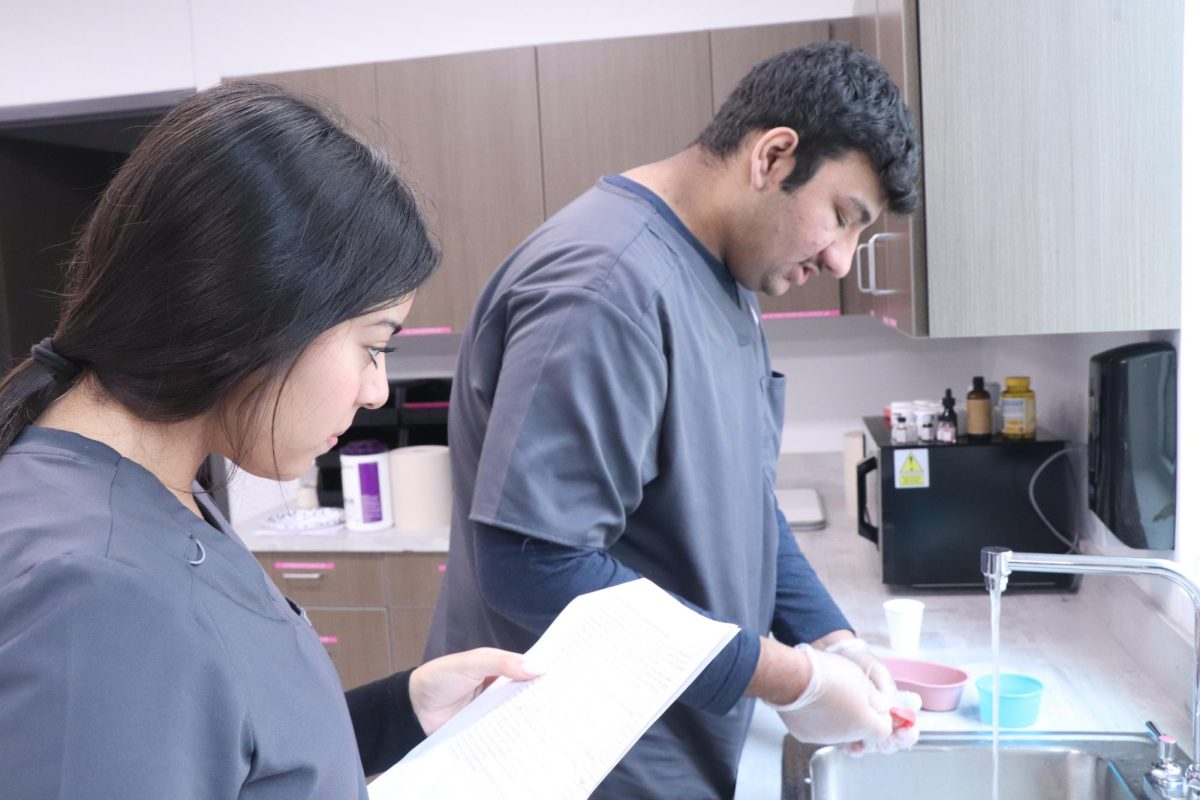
857,651
902,738
839,705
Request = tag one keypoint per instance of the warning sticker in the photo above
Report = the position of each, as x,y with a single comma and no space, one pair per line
911,468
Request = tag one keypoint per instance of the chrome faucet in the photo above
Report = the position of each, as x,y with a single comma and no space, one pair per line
998,563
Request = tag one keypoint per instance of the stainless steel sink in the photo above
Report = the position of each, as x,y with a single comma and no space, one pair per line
1033,766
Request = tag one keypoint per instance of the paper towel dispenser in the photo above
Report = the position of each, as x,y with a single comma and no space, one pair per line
1131,443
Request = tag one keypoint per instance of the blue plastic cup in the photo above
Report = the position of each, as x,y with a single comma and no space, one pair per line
1020,699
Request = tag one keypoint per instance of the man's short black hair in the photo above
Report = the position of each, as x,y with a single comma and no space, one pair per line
837,98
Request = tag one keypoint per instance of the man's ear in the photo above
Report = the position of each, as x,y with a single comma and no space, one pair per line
772,156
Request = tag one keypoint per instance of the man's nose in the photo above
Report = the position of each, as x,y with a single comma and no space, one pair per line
838,257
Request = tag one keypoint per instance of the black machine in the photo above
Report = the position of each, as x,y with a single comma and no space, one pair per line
1131,443
931,508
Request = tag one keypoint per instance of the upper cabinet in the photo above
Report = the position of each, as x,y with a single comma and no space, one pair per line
1052,138
614,104
464,129
1052,167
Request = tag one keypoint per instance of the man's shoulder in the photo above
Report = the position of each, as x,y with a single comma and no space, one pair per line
607,242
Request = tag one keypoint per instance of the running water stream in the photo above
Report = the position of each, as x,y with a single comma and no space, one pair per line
995,593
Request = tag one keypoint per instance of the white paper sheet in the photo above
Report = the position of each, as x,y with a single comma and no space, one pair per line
614,659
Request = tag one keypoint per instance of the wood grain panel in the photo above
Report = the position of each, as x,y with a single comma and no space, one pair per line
357,642
328,579
611,105
409,629
464,128
414,579
1053,174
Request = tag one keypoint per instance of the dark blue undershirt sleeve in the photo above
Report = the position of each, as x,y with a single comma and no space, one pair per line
804,610
530,581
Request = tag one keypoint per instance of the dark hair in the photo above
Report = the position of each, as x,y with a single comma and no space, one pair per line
837,98
245,224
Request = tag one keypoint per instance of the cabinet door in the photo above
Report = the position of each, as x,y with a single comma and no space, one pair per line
357,642
1052,165
608,106
900,253
735,51
410,629
414,579
350,91
327,579
464,129
855,289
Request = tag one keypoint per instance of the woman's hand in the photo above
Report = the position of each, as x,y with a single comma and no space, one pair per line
442,687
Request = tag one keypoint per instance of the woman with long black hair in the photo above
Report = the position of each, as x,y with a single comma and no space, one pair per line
233,292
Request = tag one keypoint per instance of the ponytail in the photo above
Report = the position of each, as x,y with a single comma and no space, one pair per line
25,393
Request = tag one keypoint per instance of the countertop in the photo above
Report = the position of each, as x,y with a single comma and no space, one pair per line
1091,682
1064,639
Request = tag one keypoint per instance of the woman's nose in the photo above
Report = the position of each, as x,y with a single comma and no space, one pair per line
375,390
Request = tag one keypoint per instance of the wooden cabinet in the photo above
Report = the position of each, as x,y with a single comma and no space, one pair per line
1052,173
611,105
1052,155
371,611
735,51
414,582
464,129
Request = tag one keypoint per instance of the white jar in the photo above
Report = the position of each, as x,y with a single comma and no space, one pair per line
926,416
366,486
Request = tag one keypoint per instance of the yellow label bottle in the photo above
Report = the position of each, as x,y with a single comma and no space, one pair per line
1018,409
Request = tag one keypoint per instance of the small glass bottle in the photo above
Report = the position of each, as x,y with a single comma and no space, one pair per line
947,424
900,427
1018,409
979,412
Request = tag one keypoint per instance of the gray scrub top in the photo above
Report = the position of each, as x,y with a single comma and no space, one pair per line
614,391
128,672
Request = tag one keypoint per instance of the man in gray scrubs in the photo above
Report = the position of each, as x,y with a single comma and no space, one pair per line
615,414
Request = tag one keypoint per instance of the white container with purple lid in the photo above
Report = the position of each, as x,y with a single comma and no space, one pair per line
366,486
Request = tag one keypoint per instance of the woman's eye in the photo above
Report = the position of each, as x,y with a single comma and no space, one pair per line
375,352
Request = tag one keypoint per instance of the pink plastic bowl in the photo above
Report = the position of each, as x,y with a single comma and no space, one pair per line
939,686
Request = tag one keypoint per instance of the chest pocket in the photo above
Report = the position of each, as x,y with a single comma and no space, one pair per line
774,389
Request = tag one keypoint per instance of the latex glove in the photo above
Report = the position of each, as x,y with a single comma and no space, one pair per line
857,651
440,688
839,705
902,738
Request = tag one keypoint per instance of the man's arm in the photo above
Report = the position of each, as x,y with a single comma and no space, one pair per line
530,581
804,610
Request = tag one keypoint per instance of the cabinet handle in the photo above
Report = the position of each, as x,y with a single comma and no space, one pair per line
301,576
871,263
858,275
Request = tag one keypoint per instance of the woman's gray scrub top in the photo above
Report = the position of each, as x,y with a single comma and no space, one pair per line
128,671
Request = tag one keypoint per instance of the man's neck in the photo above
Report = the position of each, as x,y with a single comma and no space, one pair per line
696,187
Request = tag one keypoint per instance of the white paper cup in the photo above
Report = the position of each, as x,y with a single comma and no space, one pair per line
904,623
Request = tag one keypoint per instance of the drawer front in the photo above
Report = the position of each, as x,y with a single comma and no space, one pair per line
410,629
415,578
328,579
357,642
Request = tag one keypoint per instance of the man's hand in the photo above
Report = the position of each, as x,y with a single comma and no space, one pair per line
839,705
857,651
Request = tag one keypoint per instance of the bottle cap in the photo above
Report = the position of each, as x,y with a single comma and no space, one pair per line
977,383
1017,384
